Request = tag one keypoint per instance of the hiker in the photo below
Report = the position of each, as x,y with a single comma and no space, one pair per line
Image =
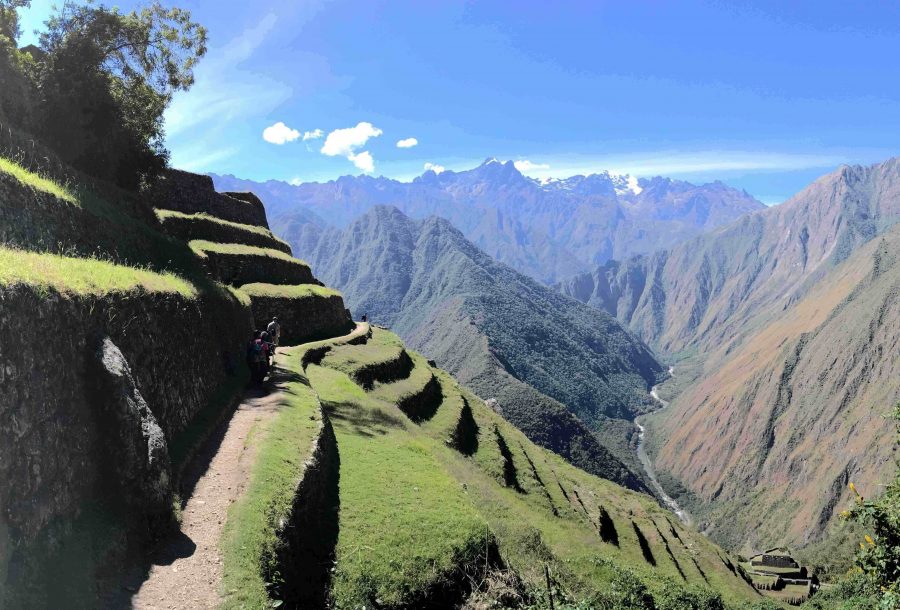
268,350
365,317
274,330
258,357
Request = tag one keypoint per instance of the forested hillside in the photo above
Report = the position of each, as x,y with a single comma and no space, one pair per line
561,371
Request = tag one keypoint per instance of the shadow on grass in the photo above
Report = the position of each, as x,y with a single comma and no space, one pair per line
306,559
644,544
465,435
362,421
423,405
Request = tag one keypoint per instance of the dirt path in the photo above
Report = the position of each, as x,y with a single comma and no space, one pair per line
186,571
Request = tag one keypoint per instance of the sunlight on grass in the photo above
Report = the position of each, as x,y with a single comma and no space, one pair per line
406,525
299,291
206,226
201,247
250,538
83,275
36,181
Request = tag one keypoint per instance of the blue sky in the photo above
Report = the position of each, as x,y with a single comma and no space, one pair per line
765,96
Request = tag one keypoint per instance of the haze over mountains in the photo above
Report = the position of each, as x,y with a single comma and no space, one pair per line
783,321
795,311
549,230
501,333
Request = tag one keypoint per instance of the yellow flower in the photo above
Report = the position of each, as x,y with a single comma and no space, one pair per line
845,514
853,488
869,540
861,545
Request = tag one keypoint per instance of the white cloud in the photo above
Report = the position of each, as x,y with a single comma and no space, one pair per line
437,169
407,143
524,165
363,161
345,142
295,181
315,134
279,133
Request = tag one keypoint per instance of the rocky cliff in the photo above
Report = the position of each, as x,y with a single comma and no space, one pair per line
791,313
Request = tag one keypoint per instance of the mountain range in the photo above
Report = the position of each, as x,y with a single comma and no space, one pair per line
559,370
548,229
788,321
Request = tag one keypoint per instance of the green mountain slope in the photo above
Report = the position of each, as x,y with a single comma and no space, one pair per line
440,499
562,372
788,320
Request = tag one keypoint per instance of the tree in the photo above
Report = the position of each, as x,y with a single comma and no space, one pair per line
106,80
16,68
9,18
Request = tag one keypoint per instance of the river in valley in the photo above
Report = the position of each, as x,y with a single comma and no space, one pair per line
647,463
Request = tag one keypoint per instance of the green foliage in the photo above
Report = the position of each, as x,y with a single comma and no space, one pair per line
106,80
853,592
405,524
874,583
879,556
100,84
9,19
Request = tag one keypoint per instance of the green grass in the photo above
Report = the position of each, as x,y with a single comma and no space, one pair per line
383,346
300,291
242,297
404,388
409,498
250,537
405,524
201,247
37,181
80,276
164,215
206,225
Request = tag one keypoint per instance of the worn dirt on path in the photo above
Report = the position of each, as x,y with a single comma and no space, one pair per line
186,571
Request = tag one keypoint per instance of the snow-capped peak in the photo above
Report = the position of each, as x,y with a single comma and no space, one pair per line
625,183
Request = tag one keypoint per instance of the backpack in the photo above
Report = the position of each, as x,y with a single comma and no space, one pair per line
256,352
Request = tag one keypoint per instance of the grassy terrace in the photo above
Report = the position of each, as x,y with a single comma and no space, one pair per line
382,347
250,539
406,525
206,226
404,388
201,247
413,510
299,291
81,276
37,181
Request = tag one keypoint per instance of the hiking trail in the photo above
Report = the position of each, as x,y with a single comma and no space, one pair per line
186,569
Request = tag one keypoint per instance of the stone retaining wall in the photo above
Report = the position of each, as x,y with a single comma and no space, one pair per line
58,426
239,269
303,319
194,193
309,535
